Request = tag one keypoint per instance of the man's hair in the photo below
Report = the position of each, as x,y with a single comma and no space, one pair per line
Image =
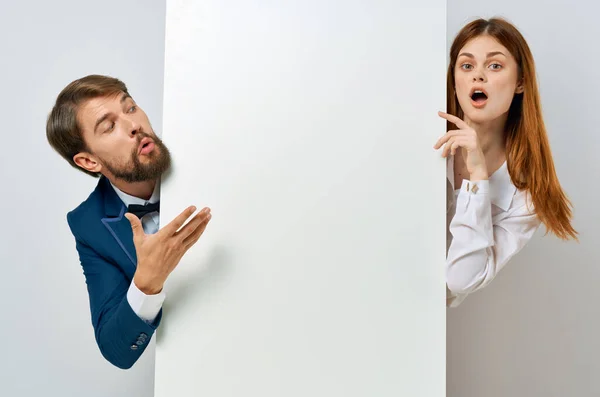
62,127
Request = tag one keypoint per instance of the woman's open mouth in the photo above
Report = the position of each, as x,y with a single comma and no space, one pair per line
478,98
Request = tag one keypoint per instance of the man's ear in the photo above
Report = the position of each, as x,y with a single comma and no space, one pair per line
87,161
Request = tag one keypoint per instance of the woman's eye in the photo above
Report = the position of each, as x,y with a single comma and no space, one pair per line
110,128
495,66
132,109
466,66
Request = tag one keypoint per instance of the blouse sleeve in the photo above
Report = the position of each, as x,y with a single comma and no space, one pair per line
480,246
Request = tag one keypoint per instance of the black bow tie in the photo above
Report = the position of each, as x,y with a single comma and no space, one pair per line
141,210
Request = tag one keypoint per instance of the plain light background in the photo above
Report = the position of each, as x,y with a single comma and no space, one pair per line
308,130
46,337
535,331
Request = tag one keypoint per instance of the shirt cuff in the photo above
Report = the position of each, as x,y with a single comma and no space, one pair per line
473,194
145,306
474,188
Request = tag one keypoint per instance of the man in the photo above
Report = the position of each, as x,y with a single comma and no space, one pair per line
98,128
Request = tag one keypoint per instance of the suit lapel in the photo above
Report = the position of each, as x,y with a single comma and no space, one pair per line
116,223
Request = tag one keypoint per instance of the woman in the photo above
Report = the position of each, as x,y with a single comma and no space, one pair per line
501,177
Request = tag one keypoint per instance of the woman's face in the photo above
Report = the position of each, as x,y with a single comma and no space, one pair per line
486,79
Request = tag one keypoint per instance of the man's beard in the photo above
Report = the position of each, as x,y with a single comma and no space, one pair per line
136,171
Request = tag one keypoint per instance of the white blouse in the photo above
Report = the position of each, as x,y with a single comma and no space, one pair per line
488,222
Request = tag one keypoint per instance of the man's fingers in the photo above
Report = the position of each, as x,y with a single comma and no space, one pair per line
190,243
195,236
136,225
200,218
176,223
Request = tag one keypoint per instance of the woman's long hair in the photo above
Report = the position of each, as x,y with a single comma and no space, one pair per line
528,153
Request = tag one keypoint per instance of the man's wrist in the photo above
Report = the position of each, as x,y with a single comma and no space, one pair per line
147,288
146,307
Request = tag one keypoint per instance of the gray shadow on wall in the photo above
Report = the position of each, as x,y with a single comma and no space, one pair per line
210,276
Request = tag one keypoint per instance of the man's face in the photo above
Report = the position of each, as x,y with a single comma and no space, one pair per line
120,140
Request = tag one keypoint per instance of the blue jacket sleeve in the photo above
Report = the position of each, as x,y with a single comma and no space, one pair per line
120,334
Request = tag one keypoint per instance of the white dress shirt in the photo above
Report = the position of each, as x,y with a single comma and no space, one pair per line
145,306
488,222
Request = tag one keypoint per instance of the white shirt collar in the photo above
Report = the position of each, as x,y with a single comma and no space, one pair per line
502,189
129,199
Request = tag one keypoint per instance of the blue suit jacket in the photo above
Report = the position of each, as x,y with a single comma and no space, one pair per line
104,241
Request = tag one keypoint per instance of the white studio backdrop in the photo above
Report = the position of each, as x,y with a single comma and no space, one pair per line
47,339
534,331
308,128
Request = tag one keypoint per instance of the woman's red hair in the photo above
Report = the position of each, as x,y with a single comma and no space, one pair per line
528,153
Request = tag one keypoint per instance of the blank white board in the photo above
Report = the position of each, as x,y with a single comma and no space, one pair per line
307,127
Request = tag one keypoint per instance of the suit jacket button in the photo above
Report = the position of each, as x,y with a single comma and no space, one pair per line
139,342
134,347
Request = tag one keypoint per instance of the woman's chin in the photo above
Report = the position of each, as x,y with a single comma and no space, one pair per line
477,117
481,116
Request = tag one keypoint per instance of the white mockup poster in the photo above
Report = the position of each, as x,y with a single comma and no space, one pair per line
308,128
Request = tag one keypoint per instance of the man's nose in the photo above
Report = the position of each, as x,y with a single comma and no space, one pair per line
133,127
